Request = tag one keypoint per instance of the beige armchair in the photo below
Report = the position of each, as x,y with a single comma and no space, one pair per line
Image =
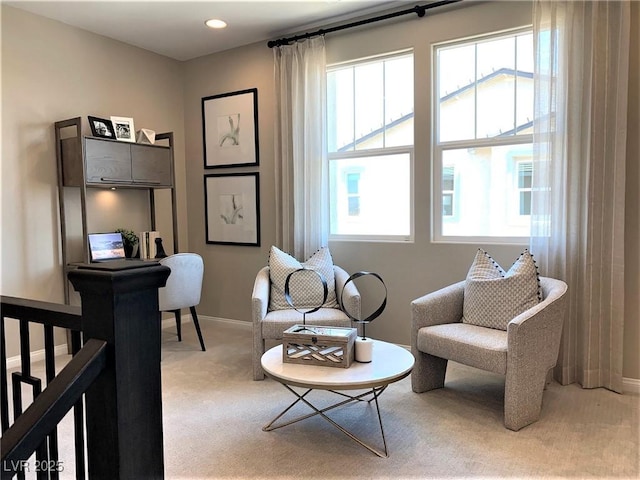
524,353
269,325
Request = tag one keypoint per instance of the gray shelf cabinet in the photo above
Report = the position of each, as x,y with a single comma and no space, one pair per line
91,162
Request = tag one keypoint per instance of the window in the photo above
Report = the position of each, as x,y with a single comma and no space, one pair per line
483,149
370,148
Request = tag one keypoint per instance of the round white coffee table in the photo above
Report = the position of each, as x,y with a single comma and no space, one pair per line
390,363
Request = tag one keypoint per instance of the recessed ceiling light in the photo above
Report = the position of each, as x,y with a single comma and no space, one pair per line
215,23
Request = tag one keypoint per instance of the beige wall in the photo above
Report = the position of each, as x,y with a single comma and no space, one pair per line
73,73
52,72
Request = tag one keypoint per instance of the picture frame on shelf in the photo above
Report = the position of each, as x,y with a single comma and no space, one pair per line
124,129
101,127
232,208
230,129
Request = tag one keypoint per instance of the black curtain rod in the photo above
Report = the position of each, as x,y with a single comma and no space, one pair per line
420,10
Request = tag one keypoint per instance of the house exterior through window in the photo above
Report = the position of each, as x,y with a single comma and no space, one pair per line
370,148
482,156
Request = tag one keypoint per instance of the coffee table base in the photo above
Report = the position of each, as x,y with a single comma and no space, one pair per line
374,393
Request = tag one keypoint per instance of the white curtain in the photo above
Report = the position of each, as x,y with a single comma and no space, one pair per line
301,170
581,83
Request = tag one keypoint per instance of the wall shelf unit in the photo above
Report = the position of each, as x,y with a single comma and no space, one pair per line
86,162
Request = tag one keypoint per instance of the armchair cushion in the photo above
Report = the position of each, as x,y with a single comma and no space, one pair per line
492,297
308,289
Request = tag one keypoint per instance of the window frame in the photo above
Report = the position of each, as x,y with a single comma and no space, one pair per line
376,152
438,148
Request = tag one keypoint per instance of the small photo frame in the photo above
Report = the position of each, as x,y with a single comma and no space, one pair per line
232,208
230,129
123,127
101,127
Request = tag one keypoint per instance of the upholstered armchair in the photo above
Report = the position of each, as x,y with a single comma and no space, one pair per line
524,353
270,325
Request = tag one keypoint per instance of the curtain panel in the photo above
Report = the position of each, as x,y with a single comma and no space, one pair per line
301,171
581,84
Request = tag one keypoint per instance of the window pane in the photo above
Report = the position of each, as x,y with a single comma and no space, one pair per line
369,103
525,171
398,101
525,203
496,87
447,178
340,102
384,203
456,89
447,204
524,84
486,192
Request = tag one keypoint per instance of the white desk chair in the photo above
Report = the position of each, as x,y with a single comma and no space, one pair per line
183,288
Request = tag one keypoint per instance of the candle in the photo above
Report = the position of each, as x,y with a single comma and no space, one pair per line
364,350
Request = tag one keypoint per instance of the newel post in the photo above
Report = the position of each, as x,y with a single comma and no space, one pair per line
124,405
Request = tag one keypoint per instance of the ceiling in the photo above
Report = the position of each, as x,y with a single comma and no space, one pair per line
176,28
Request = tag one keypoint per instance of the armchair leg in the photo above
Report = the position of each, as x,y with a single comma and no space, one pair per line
178,324
197,325
523,400
258,351
428,372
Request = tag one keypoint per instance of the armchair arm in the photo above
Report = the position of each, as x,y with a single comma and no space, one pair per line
260,295
351,297
534,335
436,308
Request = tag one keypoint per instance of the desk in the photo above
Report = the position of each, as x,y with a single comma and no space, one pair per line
390,364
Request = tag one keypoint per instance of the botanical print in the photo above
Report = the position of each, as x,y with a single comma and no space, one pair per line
231,209
229,130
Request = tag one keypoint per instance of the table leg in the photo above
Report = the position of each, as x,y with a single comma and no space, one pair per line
375,392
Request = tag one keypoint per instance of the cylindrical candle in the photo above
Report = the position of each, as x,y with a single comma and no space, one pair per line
364,350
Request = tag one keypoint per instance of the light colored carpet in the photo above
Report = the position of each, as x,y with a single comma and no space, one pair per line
214,413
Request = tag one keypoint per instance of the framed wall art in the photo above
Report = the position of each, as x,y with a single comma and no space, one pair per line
230,129
101,127
123,126
232,208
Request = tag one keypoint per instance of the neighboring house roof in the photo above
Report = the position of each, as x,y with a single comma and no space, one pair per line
455,93
486,78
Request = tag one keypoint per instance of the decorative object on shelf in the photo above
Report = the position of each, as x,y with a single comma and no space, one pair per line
364,345
148,244
232,208
130,239
123,126
101,127
159,249
146,136
305,285
230,129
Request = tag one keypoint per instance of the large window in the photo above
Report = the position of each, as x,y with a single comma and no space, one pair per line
483,100
370,148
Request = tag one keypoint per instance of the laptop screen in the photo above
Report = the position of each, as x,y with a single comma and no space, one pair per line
106,246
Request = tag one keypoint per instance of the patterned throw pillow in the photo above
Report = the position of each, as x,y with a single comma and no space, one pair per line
493,297
305,289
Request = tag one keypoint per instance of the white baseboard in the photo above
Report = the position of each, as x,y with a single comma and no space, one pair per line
186,318
631,385
36,356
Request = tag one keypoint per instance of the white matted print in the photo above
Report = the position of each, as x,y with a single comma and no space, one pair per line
123,126
232,208
230,129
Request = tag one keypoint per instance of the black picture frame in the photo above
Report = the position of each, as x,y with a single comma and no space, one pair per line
101,127
230,129
232,208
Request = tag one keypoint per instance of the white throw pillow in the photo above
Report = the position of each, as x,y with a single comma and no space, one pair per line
305,289
493,297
